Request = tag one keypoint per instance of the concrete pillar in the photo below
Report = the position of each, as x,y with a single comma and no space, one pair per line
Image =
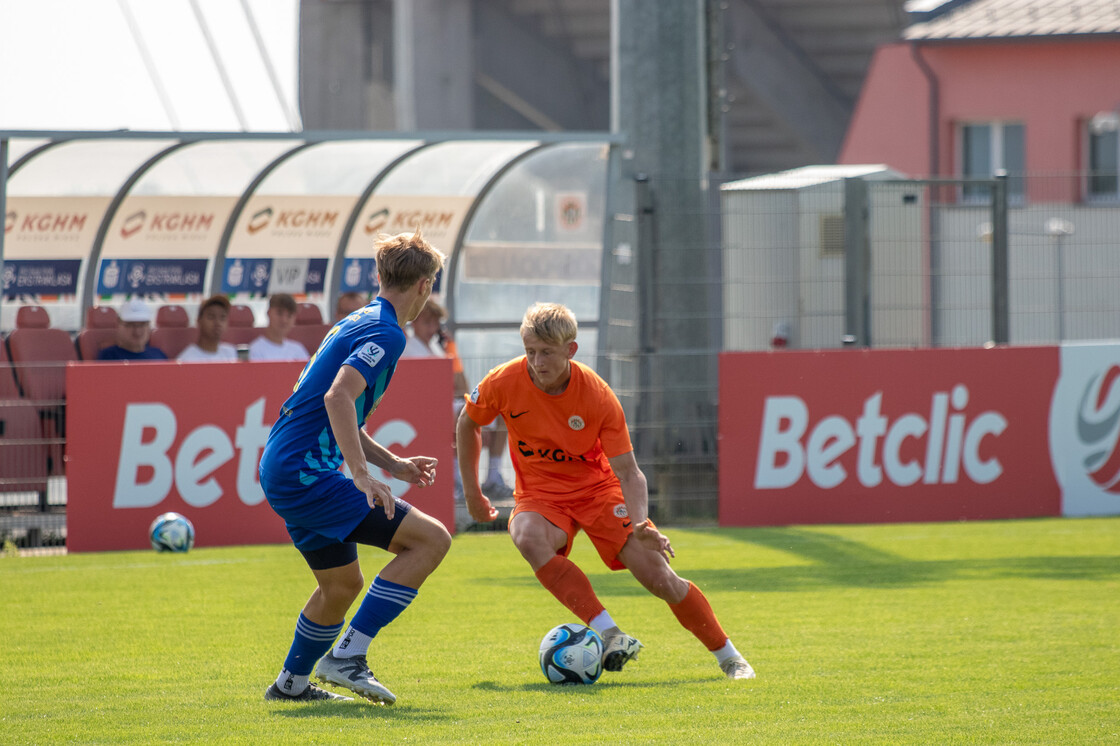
433,67
659,102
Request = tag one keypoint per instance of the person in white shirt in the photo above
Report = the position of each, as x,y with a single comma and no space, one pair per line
429,338
213,318
274,343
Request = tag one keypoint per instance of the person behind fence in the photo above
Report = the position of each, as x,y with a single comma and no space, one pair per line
576,470
213,319
134,333
328,513
430,338
274,343
348,303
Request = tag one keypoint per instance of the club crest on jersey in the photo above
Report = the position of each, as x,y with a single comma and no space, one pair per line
575,422
474,396
371,354
620,511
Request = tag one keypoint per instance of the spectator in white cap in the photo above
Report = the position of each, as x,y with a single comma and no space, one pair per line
134,330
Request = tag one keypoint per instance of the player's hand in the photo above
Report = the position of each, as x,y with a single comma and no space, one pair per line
480,508
649,536
377,493
418,470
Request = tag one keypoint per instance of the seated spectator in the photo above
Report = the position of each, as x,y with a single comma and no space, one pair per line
134,330
274,343
213,318
348,303
430,338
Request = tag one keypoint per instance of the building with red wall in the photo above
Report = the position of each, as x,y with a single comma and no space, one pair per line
1029,86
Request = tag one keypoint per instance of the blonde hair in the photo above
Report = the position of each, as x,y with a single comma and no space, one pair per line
405,259
553,323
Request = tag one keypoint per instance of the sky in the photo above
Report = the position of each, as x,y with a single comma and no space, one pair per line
147,65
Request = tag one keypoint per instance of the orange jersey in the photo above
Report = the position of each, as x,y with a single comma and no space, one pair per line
559,444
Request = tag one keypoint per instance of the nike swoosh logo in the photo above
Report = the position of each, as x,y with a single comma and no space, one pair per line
626,524
515,416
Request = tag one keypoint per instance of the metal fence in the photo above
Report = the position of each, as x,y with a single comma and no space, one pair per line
910,263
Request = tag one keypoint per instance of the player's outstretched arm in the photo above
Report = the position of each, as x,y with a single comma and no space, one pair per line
635,492
468,446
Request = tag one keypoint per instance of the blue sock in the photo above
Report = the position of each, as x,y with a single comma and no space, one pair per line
384,602
311,643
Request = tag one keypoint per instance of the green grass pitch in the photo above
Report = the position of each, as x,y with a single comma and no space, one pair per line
987,632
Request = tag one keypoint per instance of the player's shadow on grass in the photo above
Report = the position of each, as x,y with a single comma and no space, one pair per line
579,690
356,710
834,561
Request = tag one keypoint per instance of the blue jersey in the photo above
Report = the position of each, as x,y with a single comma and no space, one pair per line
116,352
301,444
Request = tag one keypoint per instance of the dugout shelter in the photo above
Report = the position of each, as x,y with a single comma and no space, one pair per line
94,218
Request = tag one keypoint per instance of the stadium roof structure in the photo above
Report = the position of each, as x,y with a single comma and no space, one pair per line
1009,19
809,176
95,217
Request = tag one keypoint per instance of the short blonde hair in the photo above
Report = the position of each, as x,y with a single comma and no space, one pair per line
553,323
405,259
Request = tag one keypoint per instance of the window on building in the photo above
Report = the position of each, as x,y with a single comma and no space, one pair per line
1104,158
990,147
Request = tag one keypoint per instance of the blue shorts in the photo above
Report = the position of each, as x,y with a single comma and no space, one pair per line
327,511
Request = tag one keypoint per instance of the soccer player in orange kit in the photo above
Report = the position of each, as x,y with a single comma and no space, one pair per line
576,470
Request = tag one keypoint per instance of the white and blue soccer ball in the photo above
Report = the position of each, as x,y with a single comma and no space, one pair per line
572,654
171,532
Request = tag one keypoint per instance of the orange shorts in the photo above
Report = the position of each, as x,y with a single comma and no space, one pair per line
602,517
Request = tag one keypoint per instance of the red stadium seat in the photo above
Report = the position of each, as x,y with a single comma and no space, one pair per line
172,316
241,330
40,356
309,335
173,339
9,386
101,317
23,452
93,341
241,316
32,317
308,313
241,335
173,332
99,332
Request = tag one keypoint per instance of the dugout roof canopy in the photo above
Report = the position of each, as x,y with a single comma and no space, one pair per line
96,217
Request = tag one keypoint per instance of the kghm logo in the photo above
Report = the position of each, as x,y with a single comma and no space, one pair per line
44,222
376,221
133,223
1098,414
260,220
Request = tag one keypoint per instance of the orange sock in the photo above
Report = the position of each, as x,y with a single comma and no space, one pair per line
571,587
695,614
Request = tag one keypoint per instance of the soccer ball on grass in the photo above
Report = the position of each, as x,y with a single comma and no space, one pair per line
171,532
572,654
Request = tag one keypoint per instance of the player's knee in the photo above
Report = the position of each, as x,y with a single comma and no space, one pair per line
666,585
344,589
439,540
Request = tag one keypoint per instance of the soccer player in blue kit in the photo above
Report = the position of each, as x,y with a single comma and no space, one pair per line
328,513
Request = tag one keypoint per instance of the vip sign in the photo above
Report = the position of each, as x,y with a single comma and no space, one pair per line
1084,428
146,439
890,435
